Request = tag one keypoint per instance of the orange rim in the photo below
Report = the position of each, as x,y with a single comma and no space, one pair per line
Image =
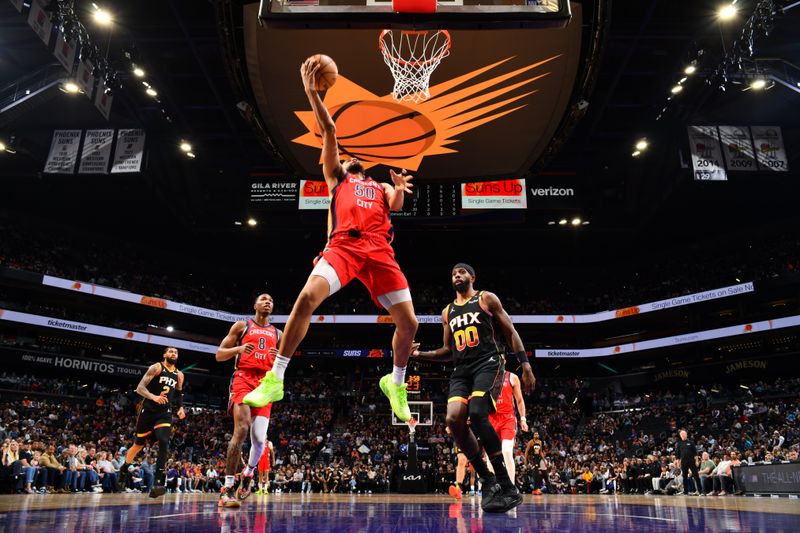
401,61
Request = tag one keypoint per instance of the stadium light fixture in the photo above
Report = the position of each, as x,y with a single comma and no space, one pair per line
758,84
636,153
576,221
101,16
562,222
170,329
642,144
138,72
689,70
585,223
70,87
251,222
551,223
676,89
727,12
190,155
2,146
152,92
185,146
237,222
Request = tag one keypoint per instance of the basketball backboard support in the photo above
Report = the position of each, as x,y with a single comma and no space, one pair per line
465,14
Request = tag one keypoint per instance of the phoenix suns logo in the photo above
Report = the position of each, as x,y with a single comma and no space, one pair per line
377,129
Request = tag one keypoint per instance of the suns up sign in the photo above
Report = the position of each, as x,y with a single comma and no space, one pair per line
314,195
505,194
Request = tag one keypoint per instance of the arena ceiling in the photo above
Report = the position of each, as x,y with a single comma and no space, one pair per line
186,50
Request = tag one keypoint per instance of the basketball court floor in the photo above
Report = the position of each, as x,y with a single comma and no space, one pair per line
396,512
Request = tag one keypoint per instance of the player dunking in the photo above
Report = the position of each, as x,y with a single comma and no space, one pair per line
161,386
359,246
504,419
252,342
477,379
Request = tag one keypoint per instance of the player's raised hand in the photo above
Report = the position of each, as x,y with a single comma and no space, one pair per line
181,413
415,349
308,72
402,180
247,348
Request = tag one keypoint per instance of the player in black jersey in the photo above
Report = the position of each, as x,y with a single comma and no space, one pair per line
161,386
477,380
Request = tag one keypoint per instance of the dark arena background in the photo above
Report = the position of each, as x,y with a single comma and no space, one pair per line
623,175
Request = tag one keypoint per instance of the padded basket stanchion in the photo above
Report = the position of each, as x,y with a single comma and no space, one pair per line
414,6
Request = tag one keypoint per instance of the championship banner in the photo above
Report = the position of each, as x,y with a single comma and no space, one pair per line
96,152
160,303
770,151
689,338
738,148
314,195
17,4
39,20
63,152
65,52
707,159
130,151
507,194
102,100
85,78
103,331
269,192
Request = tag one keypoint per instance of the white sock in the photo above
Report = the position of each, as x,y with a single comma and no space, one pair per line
279,366
398,375
229,481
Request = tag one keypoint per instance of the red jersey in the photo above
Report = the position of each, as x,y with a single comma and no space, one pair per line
505,403
359,205
263,338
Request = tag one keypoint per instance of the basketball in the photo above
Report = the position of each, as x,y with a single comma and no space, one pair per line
377,130
327,73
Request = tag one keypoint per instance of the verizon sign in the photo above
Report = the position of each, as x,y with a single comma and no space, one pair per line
506,194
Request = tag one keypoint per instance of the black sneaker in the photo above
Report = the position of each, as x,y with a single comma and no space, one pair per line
512,497
158,491
492,499
121,478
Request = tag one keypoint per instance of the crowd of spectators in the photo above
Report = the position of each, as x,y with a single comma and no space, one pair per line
329,437
548,291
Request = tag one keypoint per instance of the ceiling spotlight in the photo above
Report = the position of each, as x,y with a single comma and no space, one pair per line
682,80
576,221
642,144
551,223
70,87
139,73
562,222
251,222
758,84
585,223
152,92
2,146
727,12
190,155
170,329
636,153
676,89
102,17
689,70
237,223
186,147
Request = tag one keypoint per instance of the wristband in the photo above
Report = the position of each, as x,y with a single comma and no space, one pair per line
522,357
523,418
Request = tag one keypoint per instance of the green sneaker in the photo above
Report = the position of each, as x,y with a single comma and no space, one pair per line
397,397
270,390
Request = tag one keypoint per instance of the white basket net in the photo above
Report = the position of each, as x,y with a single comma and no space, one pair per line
411,57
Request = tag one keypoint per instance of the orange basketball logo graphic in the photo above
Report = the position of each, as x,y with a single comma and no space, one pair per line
748,328
377,129
77,285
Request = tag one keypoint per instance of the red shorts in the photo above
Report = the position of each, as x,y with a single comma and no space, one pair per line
242,383
263,463
505,426
370,259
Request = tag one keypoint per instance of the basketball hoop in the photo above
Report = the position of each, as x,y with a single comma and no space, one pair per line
412,425
411,57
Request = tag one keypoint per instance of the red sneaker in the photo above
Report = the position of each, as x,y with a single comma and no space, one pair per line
455,492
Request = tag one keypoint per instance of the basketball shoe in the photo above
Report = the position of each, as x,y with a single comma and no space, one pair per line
226,500
397,395
269,390
455,491
244,489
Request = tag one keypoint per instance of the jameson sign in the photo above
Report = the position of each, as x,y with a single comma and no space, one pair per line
77,364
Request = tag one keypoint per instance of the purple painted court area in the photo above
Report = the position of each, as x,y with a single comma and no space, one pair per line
368,513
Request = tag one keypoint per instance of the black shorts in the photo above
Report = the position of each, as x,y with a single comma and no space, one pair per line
476,379
148,421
